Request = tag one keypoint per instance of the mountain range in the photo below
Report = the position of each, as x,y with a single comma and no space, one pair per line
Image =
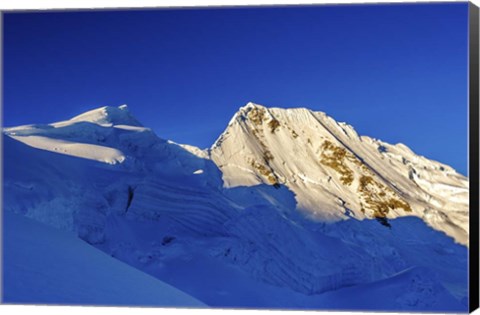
287,209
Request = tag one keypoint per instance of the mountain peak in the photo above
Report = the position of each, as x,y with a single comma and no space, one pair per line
244,110
331,168
109,115
251,105
252,108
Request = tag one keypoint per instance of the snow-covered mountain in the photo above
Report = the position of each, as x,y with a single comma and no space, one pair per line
336,173
287,209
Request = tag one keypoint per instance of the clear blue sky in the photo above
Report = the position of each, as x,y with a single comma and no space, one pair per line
394,72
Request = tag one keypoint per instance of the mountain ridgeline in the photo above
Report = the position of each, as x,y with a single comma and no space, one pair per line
290,207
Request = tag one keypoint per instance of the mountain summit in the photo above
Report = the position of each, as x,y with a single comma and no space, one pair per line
109,115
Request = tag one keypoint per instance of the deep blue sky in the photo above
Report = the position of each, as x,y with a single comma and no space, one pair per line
394,72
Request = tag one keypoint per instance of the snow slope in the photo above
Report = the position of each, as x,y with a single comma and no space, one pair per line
43,265
414,288
269,217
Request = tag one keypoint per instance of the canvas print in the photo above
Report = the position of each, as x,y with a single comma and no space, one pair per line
300,157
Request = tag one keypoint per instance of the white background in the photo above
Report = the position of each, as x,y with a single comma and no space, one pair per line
71,4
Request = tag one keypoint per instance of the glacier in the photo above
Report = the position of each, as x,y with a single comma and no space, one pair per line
288,209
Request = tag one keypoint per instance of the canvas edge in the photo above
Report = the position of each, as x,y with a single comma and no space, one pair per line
1,151
473,156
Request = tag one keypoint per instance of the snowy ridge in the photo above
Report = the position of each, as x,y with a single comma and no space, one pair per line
109,115
287,209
